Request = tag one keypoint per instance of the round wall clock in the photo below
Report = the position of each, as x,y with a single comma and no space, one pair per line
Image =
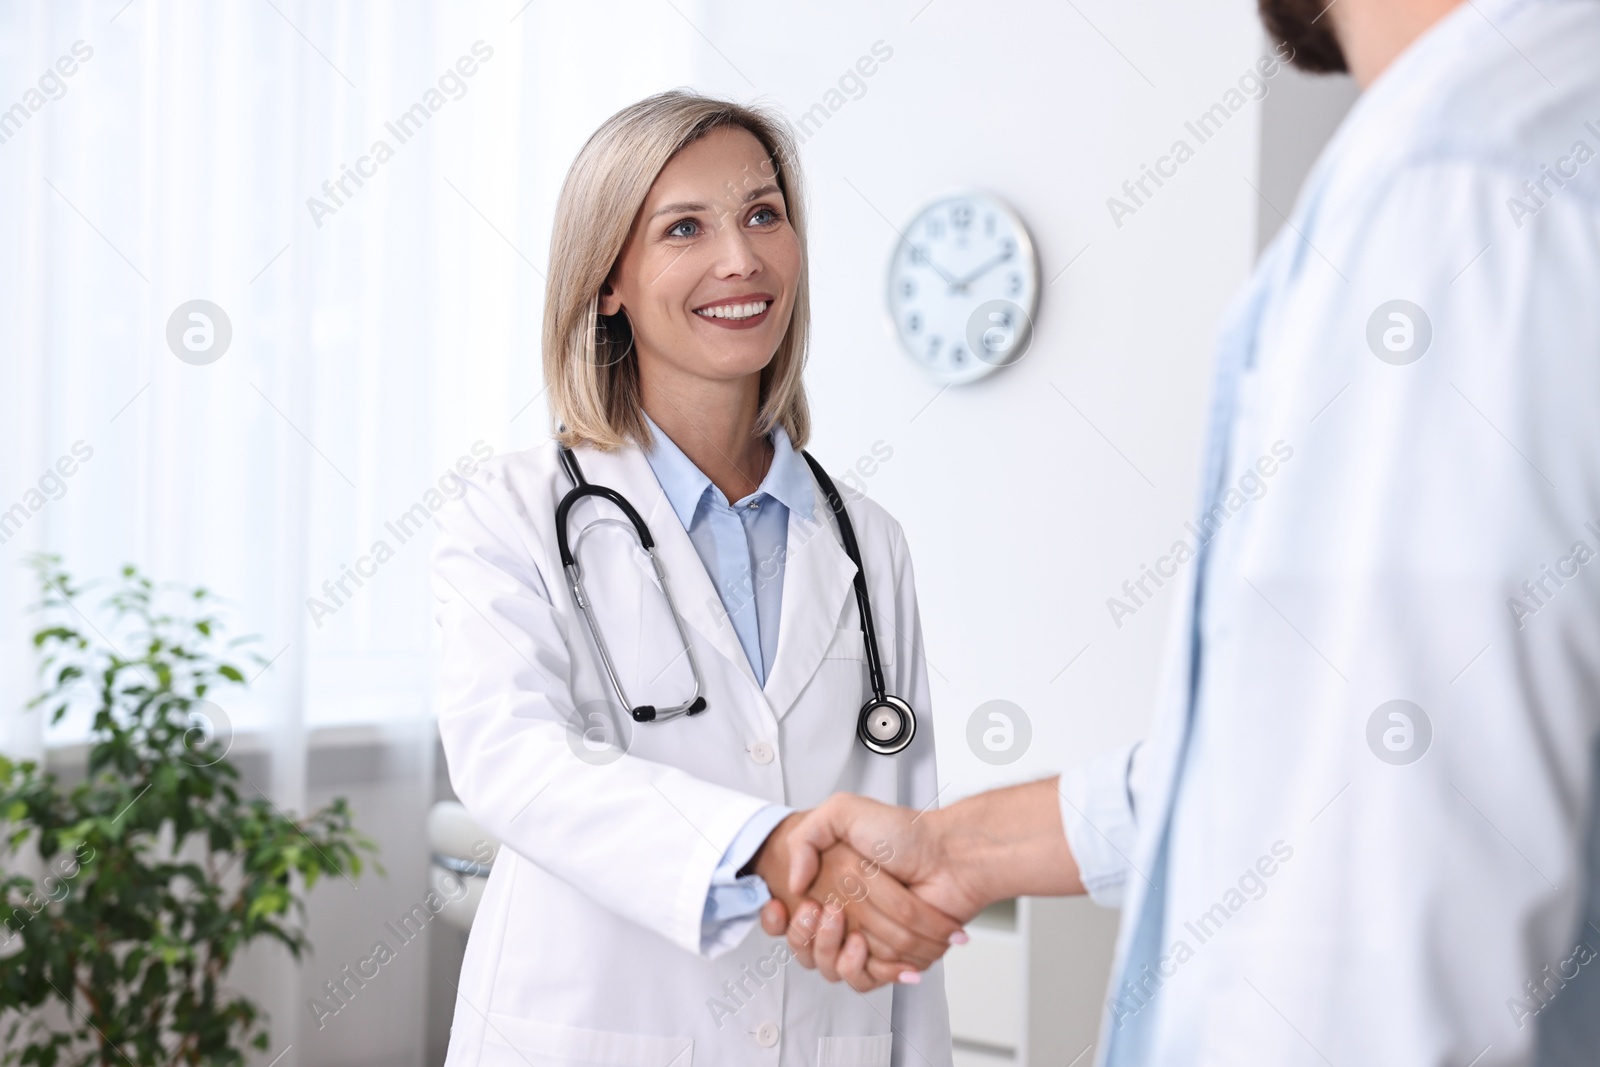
964,287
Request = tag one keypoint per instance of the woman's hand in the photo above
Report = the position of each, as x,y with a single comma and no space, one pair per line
855,922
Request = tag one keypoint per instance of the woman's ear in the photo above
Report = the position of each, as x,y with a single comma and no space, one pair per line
610,299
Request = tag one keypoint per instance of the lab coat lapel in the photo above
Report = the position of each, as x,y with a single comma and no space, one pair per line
817,579
628,472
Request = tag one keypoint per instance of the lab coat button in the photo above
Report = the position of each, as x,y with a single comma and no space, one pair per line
761,752
767,1035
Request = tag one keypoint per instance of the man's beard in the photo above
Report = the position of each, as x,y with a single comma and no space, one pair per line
1308,31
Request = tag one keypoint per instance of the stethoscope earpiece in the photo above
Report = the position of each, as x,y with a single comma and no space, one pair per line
647,712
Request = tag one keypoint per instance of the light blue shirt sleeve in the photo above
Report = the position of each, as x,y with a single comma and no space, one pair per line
1099,816
732,902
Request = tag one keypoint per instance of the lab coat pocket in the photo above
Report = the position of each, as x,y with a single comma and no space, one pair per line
847,643
512,1042
855,1051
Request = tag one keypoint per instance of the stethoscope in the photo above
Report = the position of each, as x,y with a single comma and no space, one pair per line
886,724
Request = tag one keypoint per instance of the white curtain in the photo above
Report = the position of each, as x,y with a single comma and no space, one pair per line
383,326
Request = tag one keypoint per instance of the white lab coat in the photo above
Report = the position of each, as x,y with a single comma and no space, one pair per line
1340,889
585,949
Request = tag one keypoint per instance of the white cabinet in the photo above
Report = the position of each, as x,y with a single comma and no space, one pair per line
1029,988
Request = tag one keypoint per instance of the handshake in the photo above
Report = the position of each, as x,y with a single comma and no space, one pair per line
869,893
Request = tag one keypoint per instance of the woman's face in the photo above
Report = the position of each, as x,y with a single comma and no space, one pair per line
708,274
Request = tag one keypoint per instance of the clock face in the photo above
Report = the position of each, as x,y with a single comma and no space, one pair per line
963,287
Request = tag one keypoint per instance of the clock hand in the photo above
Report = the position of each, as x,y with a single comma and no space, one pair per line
929,261
981,271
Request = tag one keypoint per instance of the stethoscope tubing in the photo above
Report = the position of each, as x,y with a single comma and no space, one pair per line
847,535
582,489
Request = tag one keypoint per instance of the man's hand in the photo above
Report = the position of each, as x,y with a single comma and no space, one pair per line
877,931
989,847
910,845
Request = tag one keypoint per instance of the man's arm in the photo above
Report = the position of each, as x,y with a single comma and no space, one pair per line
992,846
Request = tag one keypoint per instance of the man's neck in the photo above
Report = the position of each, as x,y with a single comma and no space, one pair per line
1373,32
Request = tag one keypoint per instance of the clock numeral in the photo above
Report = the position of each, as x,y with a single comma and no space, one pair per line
908,288
961,216
915,257
988,225
1008,248
914,323
1016,285
933,348
934,229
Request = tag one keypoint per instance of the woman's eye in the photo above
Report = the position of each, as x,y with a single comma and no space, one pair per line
685,228
764,216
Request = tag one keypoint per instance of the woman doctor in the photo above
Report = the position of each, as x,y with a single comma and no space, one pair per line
619,923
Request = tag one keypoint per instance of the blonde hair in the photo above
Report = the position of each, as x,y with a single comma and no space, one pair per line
589,363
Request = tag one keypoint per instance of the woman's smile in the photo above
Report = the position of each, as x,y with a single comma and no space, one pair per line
737,312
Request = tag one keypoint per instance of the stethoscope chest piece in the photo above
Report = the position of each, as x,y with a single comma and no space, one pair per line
887,725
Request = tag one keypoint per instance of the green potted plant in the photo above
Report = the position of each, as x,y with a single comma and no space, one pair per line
160,865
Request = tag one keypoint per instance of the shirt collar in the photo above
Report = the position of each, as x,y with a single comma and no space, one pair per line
788,480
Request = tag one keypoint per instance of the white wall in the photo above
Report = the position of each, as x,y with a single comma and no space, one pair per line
1297,119
1021,514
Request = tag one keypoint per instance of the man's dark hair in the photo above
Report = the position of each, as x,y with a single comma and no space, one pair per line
1301,25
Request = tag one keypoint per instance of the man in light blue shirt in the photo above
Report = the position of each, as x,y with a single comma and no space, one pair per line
1365,827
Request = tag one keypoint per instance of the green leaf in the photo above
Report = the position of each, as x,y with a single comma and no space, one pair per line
164,894
61,633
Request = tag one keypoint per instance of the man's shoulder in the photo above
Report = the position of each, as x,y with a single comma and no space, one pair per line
1525,98
1495,120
